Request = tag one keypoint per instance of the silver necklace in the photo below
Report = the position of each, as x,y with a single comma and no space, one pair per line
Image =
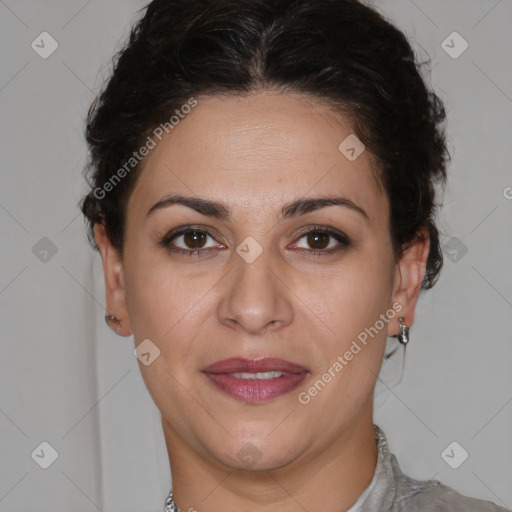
170,506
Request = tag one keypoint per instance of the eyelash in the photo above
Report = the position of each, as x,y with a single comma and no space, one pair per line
343,240
340,237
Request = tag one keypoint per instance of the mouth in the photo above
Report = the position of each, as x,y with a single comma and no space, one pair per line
255,380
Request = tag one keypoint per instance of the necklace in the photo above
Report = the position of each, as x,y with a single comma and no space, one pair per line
170,506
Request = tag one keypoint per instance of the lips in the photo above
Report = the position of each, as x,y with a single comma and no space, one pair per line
255,380
267,364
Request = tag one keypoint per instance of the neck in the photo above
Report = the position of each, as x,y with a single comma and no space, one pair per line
335,477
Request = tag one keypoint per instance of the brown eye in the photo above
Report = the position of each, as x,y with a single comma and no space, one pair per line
318,240
194,239
190,241
322,241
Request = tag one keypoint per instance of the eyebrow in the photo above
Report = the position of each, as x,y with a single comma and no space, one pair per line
220,211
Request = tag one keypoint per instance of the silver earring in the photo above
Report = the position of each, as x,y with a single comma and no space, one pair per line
111,318
403,332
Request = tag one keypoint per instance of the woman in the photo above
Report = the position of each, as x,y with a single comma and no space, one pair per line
263,196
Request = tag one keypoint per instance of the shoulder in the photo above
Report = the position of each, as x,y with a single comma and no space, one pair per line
433,496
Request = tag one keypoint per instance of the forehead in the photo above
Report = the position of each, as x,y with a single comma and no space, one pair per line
263,149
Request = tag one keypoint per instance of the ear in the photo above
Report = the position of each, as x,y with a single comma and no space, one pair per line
409,274
114,280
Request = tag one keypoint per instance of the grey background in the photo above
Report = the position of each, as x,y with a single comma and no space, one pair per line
68,380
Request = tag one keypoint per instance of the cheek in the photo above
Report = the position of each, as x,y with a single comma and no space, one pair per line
352,305
168,306
156,297
351,302
351,296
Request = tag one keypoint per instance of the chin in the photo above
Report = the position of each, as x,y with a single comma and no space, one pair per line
256,454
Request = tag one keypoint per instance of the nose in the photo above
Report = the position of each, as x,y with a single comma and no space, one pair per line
256,298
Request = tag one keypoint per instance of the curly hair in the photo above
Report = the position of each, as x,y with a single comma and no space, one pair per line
341,52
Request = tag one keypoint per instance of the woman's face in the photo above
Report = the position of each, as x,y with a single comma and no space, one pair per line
251,283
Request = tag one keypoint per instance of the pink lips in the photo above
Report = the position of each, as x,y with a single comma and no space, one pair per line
255,390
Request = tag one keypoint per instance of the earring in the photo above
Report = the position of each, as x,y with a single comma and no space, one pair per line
403,332
111,318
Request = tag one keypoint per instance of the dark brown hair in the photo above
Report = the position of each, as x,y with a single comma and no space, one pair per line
339,51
